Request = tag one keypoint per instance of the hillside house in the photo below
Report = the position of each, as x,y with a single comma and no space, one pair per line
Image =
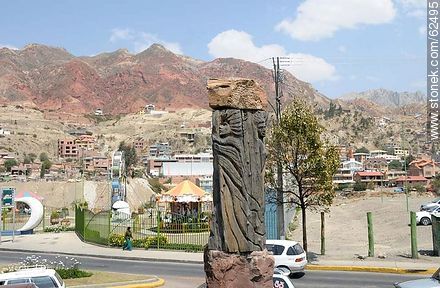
4,132
411,181
374,177
67,148
360,157
343,176
160,150
139,145
423,167
98,112
96,163
394,174
376,164
188,136
85,142
401,153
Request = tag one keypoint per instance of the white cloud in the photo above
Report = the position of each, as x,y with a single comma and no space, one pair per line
422,30
142,40
239,44
318,19
121,34
8,46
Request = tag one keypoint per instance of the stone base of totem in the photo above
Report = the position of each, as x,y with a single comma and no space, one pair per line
225,270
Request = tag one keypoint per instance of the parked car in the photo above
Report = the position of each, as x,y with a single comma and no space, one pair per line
27,285
287,254
424,217
434,203
282,281
399,189
431,282
40,276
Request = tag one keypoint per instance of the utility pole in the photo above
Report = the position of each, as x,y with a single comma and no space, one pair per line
280,195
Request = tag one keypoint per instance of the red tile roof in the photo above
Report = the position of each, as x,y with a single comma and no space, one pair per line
369,173
410,178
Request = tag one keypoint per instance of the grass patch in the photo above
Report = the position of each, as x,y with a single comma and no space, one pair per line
100,277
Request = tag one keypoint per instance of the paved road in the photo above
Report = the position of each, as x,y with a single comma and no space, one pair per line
191,275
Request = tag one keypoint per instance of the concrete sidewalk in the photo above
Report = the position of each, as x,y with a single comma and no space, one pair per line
69,243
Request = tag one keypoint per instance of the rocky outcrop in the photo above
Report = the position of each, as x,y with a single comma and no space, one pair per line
224,270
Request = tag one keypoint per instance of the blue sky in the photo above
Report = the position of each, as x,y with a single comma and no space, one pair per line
339,46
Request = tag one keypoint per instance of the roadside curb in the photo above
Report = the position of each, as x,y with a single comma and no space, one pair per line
158,283
103,256
392,270
151,283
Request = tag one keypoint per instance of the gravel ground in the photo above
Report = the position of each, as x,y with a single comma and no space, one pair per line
347,232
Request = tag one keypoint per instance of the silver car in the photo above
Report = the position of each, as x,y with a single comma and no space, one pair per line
431,282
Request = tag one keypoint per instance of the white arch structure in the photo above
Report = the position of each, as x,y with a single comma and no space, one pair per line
37,211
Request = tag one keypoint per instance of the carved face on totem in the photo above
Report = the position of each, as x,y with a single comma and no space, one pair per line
230,123
260,119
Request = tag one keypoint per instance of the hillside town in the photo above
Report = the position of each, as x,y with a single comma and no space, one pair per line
246,144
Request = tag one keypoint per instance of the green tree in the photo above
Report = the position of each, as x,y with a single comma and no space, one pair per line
9,164
129,155
43,157
32,156
156,186
362,150
308,161
395,165
408,160
45,166
436,184
27,159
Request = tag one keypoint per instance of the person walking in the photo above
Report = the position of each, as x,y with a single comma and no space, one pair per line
128,238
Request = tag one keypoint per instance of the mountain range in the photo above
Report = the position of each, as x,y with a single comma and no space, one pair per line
50,78
387,98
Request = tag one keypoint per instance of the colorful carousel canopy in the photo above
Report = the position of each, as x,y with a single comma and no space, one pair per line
186,191
21,194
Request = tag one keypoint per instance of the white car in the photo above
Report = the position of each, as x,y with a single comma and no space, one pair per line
434,203
287,254
40,276
424,217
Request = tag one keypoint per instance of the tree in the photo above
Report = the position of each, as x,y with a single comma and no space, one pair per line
129,154
359,186
45,166
32,157
308,161
408,160
436,184
43,157
395,165
362,150
9,164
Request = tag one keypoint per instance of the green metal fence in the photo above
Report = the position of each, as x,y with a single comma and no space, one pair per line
176,231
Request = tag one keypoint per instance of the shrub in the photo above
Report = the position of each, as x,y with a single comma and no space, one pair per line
185,247
359,186
58,228
72,273
155,241
55,215
116,240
